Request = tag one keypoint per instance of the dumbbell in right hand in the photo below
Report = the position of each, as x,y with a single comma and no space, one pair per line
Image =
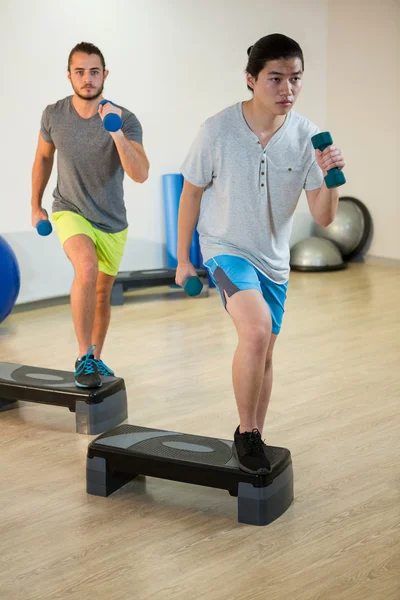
44,227
193,286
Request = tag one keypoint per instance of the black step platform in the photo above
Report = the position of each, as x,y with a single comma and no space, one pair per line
121,454
126,280
96,409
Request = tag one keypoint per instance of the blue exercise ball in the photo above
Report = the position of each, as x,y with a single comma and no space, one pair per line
9,279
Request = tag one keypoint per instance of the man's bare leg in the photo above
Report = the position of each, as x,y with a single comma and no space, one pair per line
81,252
252,320
265,393
103,311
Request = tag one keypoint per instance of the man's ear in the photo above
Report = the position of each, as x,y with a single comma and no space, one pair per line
251,81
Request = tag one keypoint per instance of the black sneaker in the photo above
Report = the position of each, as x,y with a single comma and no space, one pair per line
248,450
265,447
86,372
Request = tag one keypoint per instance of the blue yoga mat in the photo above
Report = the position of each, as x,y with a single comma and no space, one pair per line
172,189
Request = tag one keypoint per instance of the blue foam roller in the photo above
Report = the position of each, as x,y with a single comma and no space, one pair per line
9,278
172,189
195,249
111,122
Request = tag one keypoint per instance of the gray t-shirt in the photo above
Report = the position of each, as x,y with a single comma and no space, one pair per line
90,175
251,192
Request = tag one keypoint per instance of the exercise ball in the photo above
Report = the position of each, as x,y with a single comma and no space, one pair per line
316,254
9,279
350,228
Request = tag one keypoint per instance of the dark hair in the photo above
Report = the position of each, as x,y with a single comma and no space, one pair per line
87,48
271,47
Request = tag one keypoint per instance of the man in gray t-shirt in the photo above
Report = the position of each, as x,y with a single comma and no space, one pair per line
88,208
243,178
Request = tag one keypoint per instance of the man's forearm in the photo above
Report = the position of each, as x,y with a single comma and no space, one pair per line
134,163
189,209
41,171
326,205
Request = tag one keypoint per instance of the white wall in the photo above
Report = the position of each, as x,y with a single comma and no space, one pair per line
173,63
363,99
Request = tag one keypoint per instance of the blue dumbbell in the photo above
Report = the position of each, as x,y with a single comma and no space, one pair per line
335,177
44,227
193,286
111,122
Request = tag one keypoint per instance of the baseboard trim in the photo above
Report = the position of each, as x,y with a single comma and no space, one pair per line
45,303
381,260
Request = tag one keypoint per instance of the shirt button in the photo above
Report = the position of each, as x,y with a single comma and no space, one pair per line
258,142
262,185
262,173
263,161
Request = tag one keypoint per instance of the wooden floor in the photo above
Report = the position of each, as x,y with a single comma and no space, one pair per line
335,404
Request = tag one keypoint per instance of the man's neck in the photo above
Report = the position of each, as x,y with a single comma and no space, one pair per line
86,108
262,123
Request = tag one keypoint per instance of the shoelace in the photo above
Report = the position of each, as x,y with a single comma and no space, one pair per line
87,364
255,444
254,440
103,369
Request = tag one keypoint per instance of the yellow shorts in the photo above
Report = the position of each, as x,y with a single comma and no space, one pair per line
109,246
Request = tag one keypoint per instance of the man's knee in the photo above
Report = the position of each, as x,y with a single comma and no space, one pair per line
86,272
257,335
103,295
104,287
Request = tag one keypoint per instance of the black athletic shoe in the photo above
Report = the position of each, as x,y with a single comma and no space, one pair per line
265,447
248,450
86,372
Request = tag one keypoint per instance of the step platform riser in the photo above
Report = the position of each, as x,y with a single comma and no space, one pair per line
92,419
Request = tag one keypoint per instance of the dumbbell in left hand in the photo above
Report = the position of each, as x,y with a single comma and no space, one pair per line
112,121
334,177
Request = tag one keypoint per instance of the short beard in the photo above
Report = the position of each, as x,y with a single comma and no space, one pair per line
89,99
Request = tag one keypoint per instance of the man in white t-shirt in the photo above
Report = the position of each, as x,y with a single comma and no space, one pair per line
243,178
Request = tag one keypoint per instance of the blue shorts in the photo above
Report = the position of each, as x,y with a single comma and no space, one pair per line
232,274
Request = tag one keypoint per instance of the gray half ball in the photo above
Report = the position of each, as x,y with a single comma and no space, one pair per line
347,230
316,254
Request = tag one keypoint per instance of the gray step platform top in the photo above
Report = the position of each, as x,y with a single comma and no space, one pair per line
143,445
